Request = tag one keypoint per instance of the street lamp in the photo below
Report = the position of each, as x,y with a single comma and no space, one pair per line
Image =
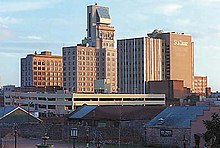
73,134
87,137
184,141
15,135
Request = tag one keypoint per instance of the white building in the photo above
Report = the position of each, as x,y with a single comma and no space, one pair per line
61,103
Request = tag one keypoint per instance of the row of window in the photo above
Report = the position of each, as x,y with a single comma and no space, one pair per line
85,89
51,63
48,68
84,53
84,84
47,78
47,83
48,73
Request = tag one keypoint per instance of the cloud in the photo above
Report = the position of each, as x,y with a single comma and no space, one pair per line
31,37
8,20
26,5
34,37
170,9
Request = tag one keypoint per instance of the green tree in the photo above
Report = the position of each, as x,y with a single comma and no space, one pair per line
212,135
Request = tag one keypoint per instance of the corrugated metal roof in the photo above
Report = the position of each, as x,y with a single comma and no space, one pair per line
177,116
82,112
5,110
103,12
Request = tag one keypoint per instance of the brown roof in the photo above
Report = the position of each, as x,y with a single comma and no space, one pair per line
123,112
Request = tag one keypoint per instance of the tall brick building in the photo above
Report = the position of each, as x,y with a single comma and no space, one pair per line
100,40
178,53
41,70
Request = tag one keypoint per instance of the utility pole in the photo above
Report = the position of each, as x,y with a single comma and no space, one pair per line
87,137
15,135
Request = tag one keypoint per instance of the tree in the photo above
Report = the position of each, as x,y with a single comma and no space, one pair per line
212,135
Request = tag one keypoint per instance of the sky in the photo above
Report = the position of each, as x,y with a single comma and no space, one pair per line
27,26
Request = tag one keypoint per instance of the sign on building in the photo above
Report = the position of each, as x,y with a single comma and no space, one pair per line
166,133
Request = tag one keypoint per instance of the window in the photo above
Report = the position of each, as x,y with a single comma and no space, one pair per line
51,99
42,106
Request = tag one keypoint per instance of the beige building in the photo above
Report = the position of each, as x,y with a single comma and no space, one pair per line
63,103
200,85
41,70
79,69
139,61
178,53
100,39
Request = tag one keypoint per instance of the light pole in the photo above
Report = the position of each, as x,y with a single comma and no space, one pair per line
184,141
73,134
87,137
15,135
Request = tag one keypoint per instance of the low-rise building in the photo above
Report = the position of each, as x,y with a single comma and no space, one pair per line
178,126
114,124
49,104
110,116
11,115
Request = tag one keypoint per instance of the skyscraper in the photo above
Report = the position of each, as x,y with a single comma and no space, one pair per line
139,61
100,39
178,53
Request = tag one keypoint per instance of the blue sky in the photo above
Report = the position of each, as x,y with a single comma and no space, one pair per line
27,26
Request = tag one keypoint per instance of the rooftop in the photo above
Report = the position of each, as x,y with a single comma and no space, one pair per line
103,12
177,116
116,112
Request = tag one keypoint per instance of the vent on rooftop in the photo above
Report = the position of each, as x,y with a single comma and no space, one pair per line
160,121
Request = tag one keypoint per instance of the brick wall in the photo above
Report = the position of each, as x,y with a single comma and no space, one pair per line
153,136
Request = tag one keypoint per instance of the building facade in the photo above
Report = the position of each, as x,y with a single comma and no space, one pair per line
100,34
79,69
178,53
64,103
41,70
139,60
171,88
179,126
200,85
100,39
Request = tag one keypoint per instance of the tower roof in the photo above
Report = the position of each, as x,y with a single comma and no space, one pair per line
103,12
